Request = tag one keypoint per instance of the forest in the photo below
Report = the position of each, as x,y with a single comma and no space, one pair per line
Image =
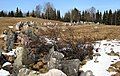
49,12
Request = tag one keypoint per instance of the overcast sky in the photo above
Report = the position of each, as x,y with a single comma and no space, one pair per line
62,5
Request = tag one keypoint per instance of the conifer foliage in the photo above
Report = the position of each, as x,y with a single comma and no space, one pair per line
48,11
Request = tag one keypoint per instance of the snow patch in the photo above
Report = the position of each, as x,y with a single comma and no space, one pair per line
6,63
11,53
104,61
4,73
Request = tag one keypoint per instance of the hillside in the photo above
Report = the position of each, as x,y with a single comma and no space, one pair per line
7,21
46,46
91,32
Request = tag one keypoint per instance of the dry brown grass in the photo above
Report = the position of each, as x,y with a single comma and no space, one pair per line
79,32
7,21
89,33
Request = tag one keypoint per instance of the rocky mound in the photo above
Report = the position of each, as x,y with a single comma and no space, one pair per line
34,50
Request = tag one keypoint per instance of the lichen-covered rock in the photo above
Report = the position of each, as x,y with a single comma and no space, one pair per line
87,73
52,72
54,58
70,67
23,58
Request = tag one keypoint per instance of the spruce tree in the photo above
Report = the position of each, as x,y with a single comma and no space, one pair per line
118,17
110,17
98,17
67,17
83,16
20,14
58,15
105,18
9,14
114,18
2,14
75,15
12,14
17,12
33,14
27,14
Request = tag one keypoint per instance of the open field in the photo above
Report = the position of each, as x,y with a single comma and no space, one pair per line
7,21
80,32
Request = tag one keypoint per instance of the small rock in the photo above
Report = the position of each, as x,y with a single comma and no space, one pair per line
38,66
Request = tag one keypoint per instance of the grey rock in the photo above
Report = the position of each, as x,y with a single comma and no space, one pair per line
22,59
55,54
70,67
87,73
54,59
52,72
27,72
23,56
11,38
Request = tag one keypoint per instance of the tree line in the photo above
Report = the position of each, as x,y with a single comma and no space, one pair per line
49,12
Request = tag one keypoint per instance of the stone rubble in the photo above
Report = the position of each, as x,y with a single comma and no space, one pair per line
32,52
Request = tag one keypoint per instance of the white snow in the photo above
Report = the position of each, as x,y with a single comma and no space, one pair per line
4,73
10,27
48,41
11,53
6,63
100,68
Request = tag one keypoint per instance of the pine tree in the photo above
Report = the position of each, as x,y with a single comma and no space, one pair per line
105,18
87,16
43,16
75,15
118,17
9,14
12,14
83,16
110,17
58,15
67,17
114,18
27,14
2,14
33,14
98,17
53,14
17,12
20,14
